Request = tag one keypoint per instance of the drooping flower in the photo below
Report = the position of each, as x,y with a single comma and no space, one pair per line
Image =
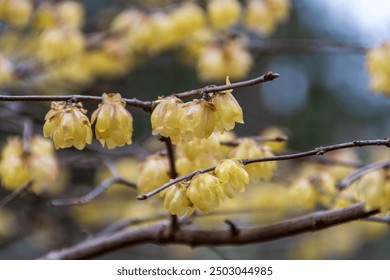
233,176
198,120
114,124
165,118
205,192
223,13
176,200
227,108
68,125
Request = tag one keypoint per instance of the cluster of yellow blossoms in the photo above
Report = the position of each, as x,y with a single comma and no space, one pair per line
205,191
67,124
197,118
37,163
50,38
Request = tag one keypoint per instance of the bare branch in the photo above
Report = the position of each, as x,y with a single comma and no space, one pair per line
94,193
317,151
134,102
15,194
280,138
156,233
209,89
344,183
145,105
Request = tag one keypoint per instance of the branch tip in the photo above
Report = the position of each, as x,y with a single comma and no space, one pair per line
142,197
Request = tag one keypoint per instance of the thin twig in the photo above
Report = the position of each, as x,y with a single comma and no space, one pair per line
153,233
145,105
317,151
173,174
171,156
235,143
209,89
15,194
344,183
134,102
376,219
130,222
94,193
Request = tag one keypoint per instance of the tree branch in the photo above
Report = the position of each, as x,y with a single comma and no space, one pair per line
317,151
156,233
134,102
209,89
15,194
344,183
94,193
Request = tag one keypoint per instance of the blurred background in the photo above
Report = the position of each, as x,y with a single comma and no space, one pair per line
322,96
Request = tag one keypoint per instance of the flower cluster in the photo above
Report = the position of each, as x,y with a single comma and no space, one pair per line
249,148
37,163
196,119
50,36
206,191
67,124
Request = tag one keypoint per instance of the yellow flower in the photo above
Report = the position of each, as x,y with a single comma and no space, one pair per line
304,193
247,149
114,124
154,172
200,147
227,108
379,69
259,17
16,12
38,163
273,131
165,118
67,125
198,120
60,43
223,13
232,175
232,58
374,190
279,8
176,200
205,192
70,13
187,19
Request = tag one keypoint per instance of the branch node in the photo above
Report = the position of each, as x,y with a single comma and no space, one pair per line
233,228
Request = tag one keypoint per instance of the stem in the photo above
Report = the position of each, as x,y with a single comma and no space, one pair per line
209,89
145,105
317,151
15,194
153,233
344,183
92,194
